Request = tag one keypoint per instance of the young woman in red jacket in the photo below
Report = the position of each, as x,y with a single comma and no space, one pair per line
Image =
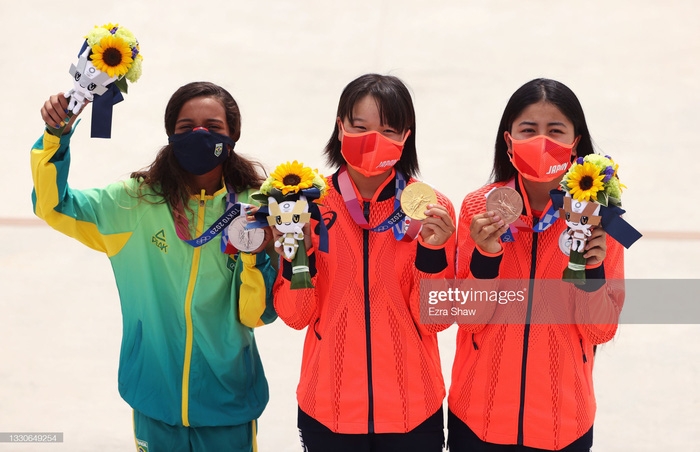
521,382
370,373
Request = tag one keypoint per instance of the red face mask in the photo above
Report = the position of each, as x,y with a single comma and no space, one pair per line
541,159
370,153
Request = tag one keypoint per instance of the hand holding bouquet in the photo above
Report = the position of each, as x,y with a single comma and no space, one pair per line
590,184
108,58
288,197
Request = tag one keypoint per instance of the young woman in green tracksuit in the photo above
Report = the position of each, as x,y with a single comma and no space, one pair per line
189,365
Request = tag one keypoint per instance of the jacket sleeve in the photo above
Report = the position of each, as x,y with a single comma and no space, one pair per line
473,263
90,216
254,277
433,263
598,310
296,307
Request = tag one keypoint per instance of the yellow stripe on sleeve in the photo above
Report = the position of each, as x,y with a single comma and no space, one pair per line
252,293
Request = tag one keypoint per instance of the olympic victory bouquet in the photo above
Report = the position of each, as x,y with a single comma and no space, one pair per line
109,57
288,200
592,198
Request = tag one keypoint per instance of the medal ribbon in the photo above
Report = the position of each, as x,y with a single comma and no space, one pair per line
404,229
233,210
548,219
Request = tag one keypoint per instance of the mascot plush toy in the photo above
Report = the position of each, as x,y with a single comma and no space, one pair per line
289,218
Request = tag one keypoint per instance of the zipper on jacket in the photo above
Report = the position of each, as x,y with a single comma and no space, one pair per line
189,326
476,347
585,359
526,336
368,333
420,336
318,336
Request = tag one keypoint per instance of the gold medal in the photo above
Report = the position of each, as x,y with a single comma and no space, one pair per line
506,202
415,198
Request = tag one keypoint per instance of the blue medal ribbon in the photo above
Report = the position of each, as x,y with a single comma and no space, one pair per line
548,219
233,210
218,227
398,222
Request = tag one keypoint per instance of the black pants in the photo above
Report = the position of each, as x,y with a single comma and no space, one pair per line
462,439
427,437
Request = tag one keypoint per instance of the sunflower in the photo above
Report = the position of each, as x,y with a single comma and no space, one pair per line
292,177
112,55
585,181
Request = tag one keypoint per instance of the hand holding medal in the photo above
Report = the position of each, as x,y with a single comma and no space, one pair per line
108,58
419,202
416,198
503,207
245,239
506,202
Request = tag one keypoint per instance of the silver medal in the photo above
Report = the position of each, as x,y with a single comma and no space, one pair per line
243,239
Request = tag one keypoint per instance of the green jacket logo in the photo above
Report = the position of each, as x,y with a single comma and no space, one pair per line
159,240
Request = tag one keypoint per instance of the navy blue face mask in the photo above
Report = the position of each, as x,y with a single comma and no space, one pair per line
199,150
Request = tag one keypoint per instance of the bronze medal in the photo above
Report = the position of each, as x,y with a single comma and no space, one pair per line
415,198
506,202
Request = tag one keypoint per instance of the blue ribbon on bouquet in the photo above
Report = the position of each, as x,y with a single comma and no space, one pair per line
102,107
311,194
611,221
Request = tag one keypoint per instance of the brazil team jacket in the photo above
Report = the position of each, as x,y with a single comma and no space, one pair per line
186,358
370,362
527,381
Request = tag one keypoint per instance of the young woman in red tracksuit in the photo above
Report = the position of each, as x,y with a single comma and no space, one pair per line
527,386
370,376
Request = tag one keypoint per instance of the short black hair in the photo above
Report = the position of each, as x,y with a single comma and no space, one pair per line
395,108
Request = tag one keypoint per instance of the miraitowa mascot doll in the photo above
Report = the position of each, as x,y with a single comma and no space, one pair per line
289,199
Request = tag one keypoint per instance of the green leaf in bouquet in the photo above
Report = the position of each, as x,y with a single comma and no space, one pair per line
260,198
602,198
277,194
614,201
121,84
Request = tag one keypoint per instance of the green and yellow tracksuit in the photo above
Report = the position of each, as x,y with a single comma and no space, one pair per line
188,354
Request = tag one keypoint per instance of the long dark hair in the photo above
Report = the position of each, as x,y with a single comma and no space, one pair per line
534,91
166,177
395,109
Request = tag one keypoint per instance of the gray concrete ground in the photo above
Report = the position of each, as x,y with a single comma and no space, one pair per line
635,65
